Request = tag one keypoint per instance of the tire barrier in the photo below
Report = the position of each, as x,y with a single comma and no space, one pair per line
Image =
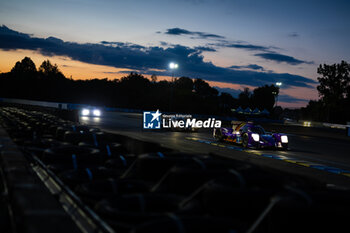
137,208
85,175
172,223
98,190
136,186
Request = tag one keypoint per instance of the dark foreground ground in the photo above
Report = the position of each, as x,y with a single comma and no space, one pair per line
60,176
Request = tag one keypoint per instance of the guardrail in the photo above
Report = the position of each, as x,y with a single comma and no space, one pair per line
36,103
66,106
338,126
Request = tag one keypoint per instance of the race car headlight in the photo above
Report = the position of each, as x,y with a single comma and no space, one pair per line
96,112
255,137
284,139
85,112
307,123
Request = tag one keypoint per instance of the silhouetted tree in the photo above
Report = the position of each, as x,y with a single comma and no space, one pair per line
227,102
264,97
202,88
132,91
334,82
49,70
314,111
244,98
334,90
184,83
154,78
135,89
26,66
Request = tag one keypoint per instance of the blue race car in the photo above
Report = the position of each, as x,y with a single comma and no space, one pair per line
250,135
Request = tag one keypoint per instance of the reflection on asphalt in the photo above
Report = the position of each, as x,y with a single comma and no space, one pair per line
321,153
276,156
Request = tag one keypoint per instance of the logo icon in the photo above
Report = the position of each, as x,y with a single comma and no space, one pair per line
151,120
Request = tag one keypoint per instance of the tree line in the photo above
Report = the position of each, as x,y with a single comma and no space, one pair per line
334,91
183,94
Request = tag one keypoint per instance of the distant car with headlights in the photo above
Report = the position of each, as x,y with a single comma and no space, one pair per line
90,111
250,135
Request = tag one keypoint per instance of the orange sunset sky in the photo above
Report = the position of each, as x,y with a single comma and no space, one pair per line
80,70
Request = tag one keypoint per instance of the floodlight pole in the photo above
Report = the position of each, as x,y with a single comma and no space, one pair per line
172,66
279,84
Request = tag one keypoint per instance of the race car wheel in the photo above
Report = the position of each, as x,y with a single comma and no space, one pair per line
245,140
218,135
284,146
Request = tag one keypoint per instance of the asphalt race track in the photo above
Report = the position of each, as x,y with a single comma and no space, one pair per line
322,155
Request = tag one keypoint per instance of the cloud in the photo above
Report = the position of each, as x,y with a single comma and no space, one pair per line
233,92
290,99
122,44
293,34
246,46
277,57
147,60
178,31
250,66
198,35
163,43
255,67
197,68
267,52
205,49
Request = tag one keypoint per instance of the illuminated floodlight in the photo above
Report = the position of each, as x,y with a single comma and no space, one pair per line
96,112
85,112
173,65
279,84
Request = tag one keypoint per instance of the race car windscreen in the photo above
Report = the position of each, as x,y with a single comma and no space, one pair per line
257,129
